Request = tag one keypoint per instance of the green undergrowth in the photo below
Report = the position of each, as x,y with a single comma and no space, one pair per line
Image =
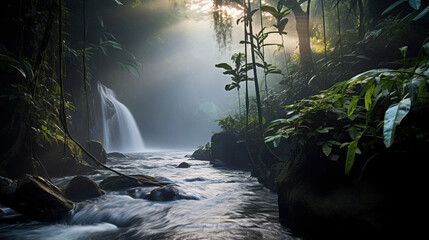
359,116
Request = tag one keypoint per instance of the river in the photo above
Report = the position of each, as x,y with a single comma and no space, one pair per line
225,204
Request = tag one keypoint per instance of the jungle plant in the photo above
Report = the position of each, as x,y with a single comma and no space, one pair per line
238,74
363,112
258,46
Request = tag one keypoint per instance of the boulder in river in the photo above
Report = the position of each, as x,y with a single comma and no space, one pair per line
35,197
116,183
166,193
183,165
231,151
82,188
202,153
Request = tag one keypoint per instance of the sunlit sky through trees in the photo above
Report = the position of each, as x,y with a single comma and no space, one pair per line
179,93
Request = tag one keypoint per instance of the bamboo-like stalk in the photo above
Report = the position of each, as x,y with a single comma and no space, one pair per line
255,74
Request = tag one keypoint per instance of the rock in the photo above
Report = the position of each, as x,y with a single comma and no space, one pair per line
116,183
270,180
82,188
97,150
218,163
39,199
116,154
166,193
59,163
317,201
7,190
183,165
226,148
201,155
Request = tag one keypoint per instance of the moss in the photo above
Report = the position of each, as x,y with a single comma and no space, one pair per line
62,158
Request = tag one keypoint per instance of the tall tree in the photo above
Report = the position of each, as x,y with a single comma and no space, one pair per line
302,27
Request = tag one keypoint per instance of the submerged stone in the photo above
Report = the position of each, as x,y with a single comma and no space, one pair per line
116,183
183,165
166,193
82,188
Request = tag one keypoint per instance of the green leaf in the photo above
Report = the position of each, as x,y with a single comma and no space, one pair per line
225,66
368,97
324,130
352,105
351,153
354,133
421,14
403,51
271,10
395,4
392,118
229,87
415,4
327,148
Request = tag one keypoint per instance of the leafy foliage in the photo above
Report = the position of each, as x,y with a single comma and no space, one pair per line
354,109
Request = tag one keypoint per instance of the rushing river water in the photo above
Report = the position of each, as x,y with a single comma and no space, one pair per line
228,204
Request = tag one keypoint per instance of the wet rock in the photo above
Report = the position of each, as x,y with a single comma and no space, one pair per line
166,193
82,188
97,150
116,154
59,163
201,155
39,199
229,150
116,183
183,165
7,190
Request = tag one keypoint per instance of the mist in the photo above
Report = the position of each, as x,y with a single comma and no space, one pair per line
179,93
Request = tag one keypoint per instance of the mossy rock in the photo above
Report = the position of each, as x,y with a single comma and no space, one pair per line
82,188
97,150
61,158
39,199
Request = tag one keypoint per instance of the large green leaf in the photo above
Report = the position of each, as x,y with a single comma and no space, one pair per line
395,4
421,14
272,10
351,153
368,97
225,66
352,105
393,117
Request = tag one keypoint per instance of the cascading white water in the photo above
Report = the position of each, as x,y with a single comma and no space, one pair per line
120,131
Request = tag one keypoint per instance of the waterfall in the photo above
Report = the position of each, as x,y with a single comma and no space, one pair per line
120,132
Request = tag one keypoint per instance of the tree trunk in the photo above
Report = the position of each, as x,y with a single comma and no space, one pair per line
302,28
